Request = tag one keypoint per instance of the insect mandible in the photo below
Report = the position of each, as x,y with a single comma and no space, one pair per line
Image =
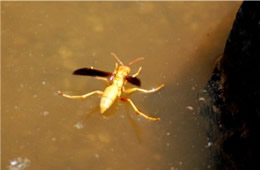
116,85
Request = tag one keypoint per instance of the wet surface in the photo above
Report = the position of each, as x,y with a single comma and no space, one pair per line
44,42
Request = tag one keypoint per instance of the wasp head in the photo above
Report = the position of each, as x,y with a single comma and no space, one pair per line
124,70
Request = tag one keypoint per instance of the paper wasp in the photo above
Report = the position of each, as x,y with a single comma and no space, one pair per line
116,85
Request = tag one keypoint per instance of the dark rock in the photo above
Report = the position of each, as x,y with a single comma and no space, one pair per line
232,105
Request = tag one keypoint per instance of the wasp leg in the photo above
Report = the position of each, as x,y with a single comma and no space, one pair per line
137,111
80,97
143,90
138,72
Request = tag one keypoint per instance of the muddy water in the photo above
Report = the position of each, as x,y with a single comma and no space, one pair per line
43,42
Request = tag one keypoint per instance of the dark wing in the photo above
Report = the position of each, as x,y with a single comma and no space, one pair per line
91,72
134,80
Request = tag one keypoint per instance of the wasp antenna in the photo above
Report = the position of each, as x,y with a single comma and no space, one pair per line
118,60
136,60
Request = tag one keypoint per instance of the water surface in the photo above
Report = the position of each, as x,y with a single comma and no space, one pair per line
44,42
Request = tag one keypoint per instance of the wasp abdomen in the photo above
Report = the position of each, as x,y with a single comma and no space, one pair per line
109,96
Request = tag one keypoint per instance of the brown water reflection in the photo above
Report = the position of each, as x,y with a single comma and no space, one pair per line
43,42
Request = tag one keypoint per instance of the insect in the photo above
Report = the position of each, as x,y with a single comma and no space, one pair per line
116,85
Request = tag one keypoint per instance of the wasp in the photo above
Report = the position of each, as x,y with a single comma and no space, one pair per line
116,85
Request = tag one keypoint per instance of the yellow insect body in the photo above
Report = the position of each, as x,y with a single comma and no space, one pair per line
114,91
116,88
